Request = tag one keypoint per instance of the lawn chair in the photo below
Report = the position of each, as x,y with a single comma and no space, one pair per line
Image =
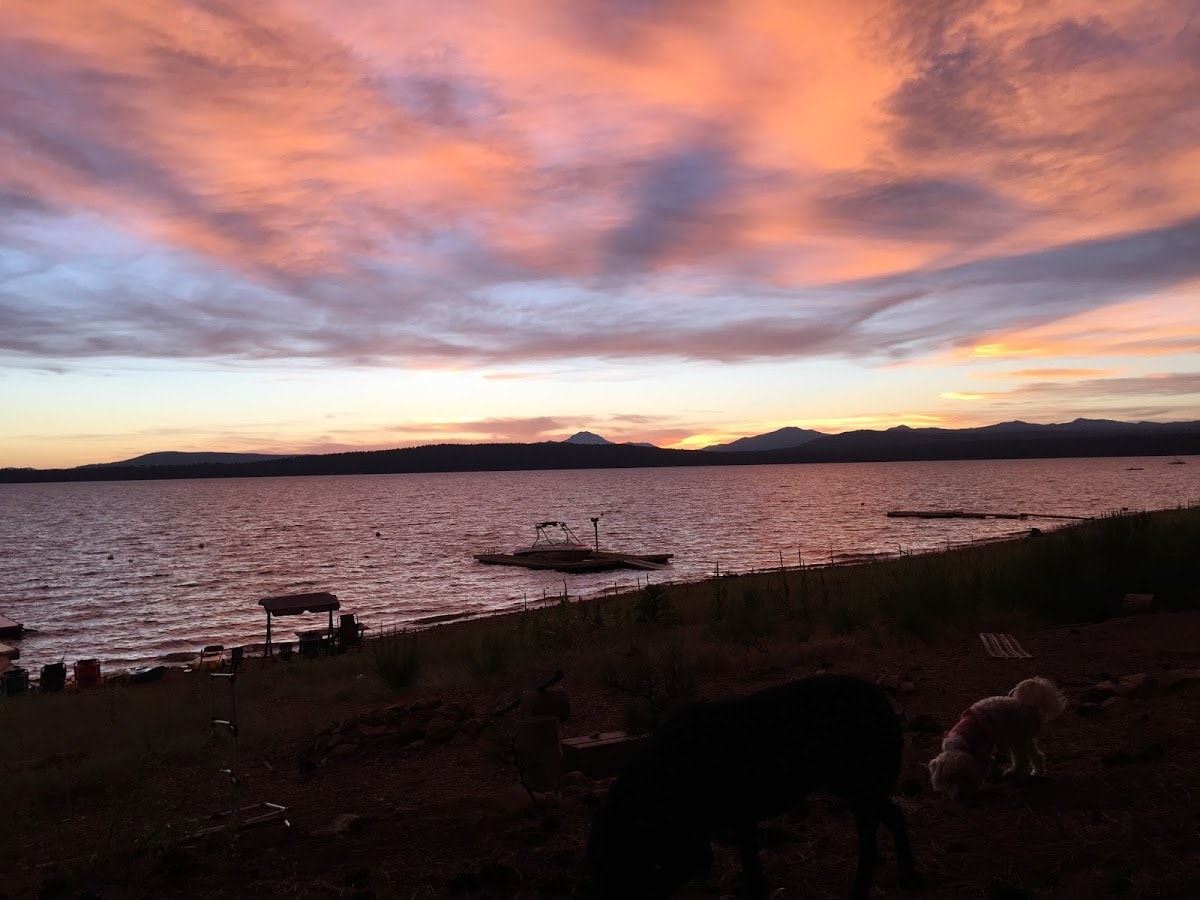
349,632
54,677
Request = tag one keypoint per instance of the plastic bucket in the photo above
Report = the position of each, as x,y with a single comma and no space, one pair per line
87,674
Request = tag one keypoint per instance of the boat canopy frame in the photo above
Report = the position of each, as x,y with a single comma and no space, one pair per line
549,540
296,605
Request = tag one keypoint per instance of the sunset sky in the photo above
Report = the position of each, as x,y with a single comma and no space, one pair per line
321,225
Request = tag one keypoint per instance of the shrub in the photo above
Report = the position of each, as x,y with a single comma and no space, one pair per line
656,683
396,659
743,620
491,654
654,605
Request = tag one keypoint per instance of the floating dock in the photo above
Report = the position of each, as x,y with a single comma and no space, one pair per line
971,514
596,561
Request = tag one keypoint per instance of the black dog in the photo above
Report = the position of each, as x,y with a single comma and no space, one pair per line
727,765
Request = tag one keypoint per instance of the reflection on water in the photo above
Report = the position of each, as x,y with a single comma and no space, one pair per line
133,571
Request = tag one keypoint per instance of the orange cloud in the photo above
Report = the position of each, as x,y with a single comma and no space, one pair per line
1155,326
1048,374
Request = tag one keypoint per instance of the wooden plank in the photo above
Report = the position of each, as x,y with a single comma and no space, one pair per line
1003,646
600,755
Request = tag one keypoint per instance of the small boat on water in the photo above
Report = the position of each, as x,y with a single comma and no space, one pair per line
556,547
555,540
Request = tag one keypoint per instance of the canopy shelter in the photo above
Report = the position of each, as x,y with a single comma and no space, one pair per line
296,605
10,628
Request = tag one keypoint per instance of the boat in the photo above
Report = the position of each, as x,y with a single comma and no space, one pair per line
555,541
146,674
557,548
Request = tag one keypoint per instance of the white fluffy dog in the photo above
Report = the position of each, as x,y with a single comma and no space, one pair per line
996,724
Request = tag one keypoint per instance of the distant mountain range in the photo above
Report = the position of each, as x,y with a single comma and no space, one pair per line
781,439
179,458
585,450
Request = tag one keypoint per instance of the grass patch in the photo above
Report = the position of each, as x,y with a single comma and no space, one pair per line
397,659
491,652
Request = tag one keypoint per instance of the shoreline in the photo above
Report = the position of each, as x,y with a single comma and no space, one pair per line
181,659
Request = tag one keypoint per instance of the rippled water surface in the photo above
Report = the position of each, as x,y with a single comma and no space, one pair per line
132,571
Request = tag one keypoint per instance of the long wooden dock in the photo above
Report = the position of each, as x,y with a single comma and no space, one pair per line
597,561
972,514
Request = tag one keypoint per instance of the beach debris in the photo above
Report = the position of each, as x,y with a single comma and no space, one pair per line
1003,646
346,823
1137,603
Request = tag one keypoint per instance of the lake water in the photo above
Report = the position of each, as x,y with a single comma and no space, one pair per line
130,572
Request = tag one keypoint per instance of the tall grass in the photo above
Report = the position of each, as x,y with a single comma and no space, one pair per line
490,653
397,659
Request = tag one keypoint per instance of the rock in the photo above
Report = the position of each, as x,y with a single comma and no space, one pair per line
344,749
346,823
889,683
441,730
1135,686
912,787
1086,708
460,710
504,704
1180,679
410,731
1097,695
906,688
426,705
372,731
575,782
470,727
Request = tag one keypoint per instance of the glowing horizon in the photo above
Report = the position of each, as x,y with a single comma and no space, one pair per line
281,228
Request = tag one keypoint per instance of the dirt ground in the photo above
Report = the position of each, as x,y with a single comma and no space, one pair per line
378,810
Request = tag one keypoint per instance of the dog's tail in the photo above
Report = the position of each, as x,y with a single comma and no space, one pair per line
1042,695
